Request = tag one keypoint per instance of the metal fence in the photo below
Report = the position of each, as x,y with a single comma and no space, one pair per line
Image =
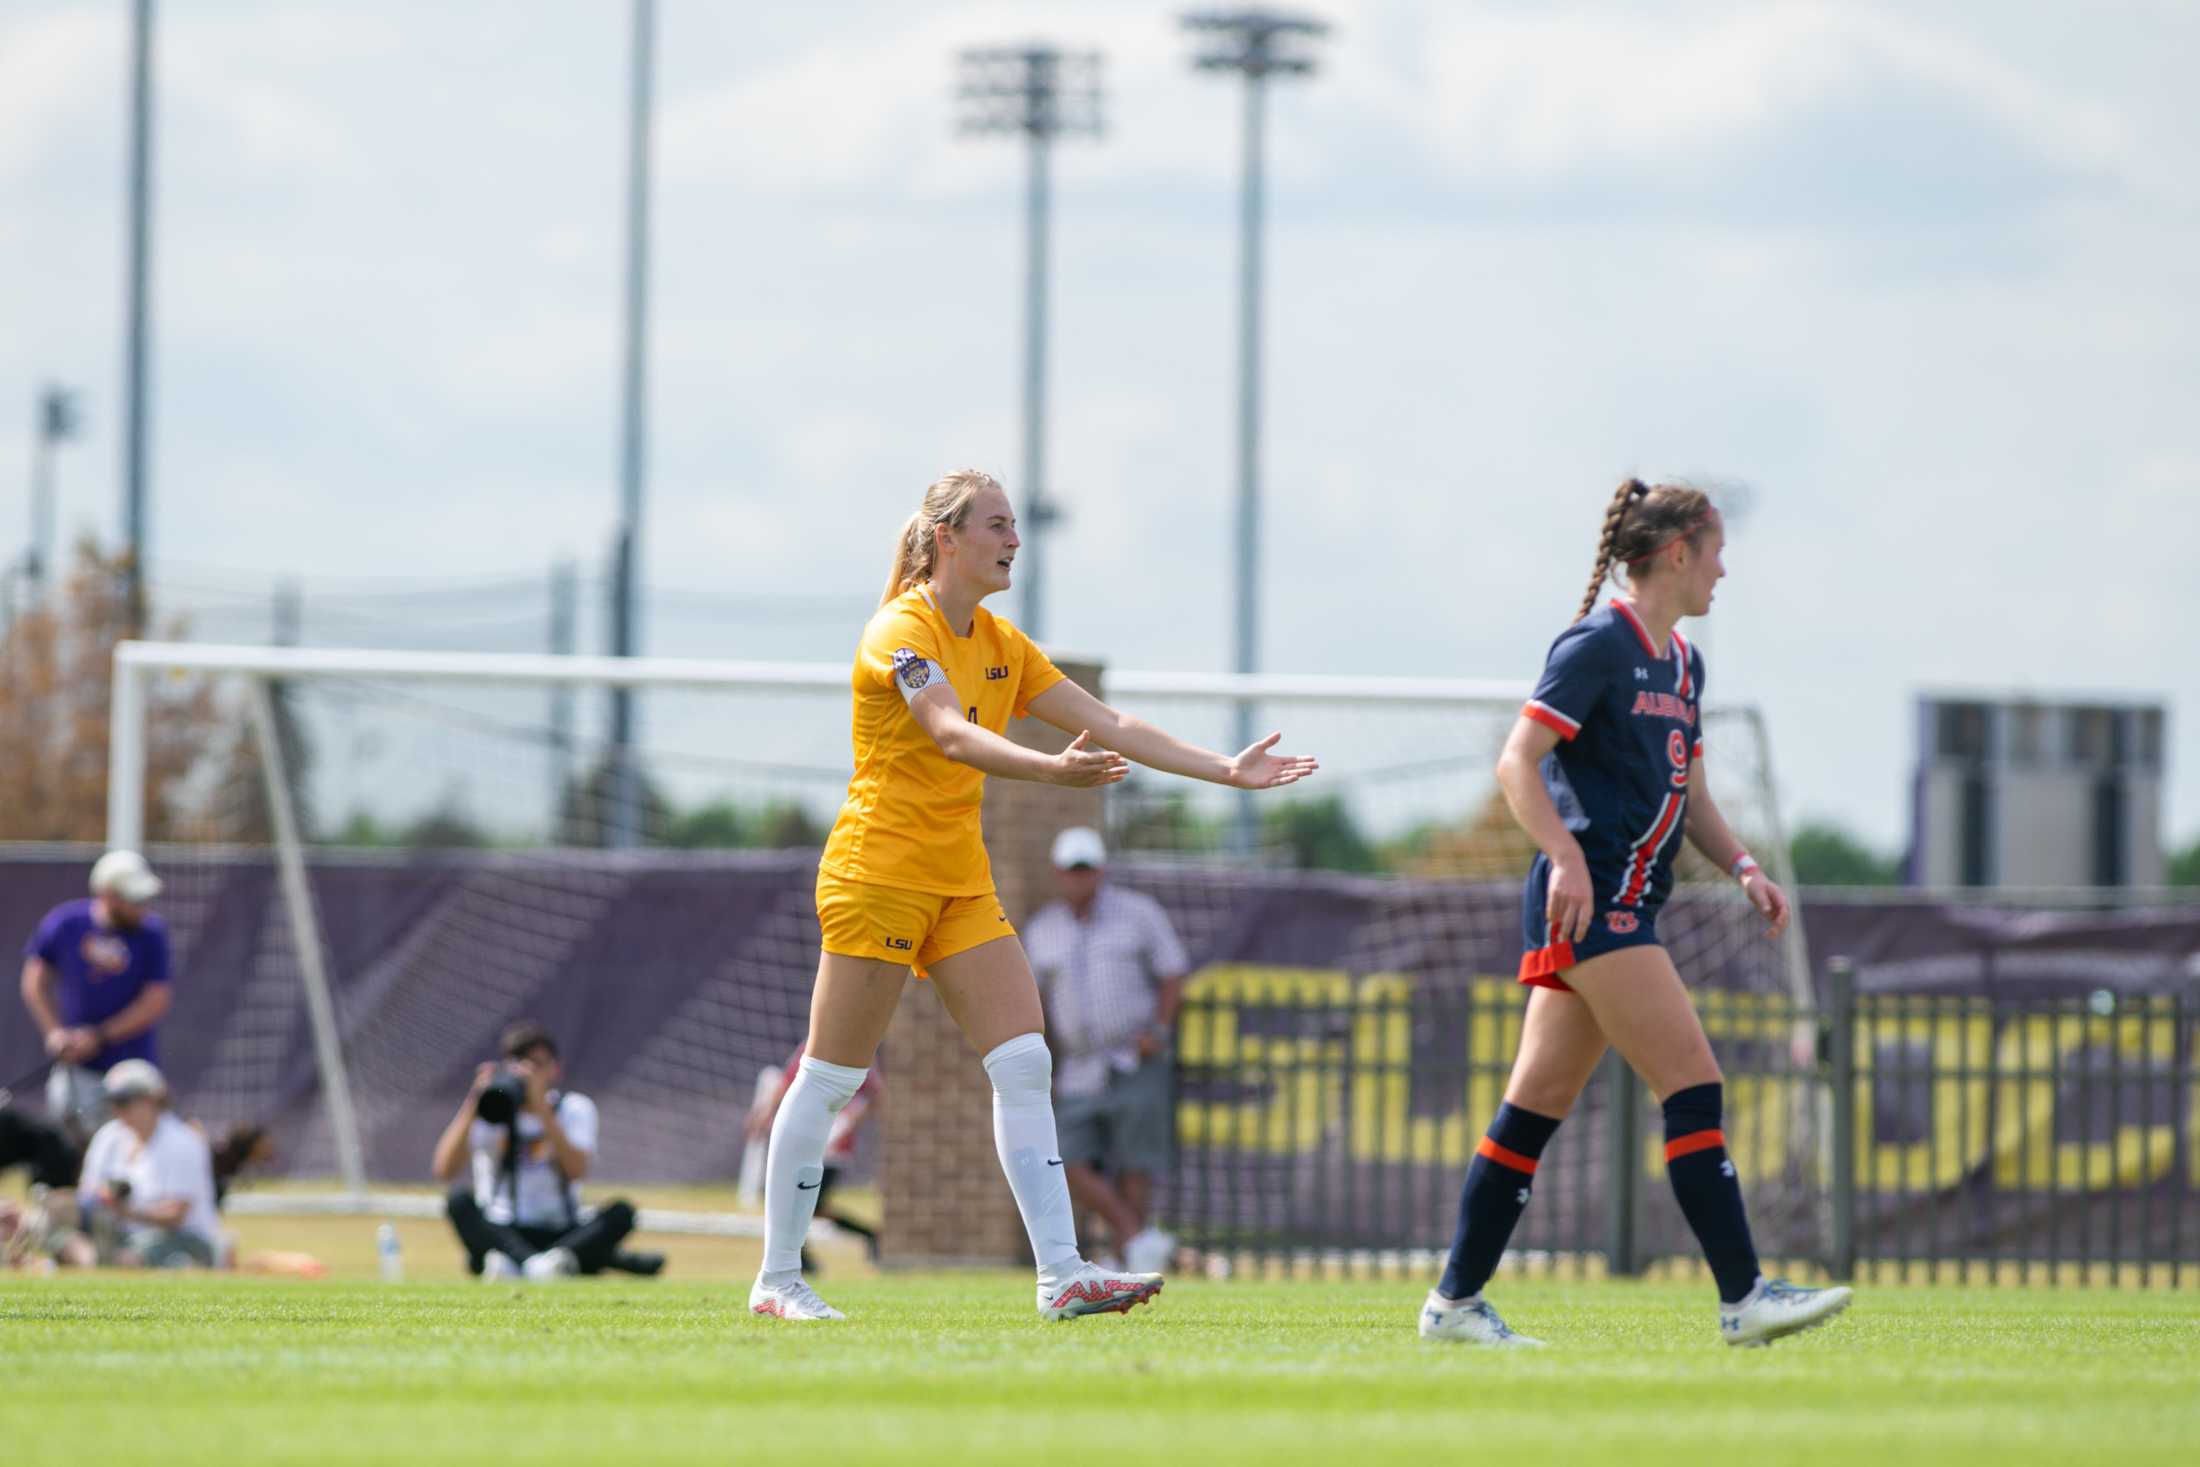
1325,1120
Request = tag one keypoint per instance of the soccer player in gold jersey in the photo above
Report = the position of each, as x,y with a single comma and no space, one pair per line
905,882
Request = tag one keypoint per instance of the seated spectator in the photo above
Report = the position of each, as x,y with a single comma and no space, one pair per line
38,1145
520,1217
148,1183
38,1235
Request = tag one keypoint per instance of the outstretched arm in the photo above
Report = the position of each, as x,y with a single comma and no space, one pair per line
1073,710
1709,833
1078,766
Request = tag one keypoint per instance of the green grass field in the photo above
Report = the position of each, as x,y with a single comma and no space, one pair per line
957,1369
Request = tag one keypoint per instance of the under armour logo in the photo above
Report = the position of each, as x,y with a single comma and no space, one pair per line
1726,1169
1642,674
1523,1196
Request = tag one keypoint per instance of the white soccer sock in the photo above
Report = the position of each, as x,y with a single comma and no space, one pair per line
794,1165
1023,1135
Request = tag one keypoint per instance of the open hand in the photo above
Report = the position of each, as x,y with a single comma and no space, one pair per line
1257,769
1084,765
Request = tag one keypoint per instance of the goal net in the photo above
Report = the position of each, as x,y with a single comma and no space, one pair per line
386,858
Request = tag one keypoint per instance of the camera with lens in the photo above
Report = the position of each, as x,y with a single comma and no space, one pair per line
502,1098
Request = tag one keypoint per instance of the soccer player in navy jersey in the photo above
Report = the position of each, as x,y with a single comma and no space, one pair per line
1604,769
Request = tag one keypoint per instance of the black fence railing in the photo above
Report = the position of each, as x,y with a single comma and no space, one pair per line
1324,1121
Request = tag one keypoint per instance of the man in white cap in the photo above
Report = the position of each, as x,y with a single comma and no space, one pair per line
95,980
149,1178
1111,974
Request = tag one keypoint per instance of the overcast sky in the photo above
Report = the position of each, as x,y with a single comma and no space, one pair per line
1923,276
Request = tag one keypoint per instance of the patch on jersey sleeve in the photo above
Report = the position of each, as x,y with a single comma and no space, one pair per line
913,673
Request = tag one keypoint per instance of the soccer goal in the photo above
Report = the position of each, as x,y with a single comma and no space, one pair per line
377,860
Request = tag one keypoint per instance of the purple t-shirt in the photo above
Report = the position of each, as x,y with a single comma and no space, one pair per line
101,971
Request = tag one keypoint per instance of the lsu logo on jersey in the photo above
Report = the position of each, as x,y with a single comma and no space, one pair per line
898,944
912,671
996,674
1622,922
103,955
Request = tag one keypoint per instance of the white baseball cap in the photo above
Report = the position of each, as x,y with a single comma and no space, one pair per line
124,874
134,1079
1080,845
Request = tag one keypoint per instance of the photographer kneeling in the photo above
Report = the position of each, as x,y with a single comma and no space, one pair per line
530,1144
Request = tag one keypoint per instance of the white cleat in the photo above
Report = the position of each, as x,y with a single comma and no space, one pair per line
790,1301
498,1268
1776,1308
1096,1290
550,1265
1470,1322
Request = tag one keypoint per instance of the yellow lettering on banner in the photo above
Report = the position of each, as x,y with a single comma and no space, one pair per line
1759,1101
1294,1081
1495,1014
1383,1128
1958,1042
2031,1052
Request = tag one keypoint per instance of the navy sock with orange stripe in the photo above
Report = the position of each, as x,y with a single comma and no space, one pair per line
1494,1197
1709,1192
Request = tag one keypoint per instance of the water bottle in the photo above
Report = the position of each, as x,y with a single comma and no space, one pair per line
391,1256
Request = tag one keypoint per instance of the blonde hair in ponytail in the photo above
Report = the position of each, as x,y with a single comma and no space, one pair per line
946,502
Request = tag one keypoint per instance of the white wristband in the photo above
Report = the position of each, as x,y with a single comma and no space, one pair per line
1743,865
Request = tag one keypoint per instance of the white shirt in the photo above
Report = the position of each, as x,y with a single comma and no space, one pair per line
543,1198
102,1163
1101,978
175,1162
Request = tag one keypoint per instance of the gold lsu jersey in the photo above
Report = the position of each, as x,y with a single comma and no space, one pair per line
911,817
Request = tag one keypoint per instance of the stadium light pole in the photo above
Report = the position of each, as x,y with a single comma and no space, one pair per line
1257,44
624,816
1043,93
134,405
57,424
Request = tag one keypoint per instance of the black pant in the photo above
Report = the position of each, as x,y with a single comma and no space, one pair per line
40,1145
592,1242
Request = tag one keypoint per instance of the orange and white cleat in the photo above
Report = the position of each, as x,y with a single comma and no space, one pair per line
1096,1290
790,1301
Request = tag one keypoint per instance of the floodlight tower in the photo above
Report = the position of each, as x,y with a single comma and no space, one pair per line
58,421
135,404
623,812
1257,44
1043,93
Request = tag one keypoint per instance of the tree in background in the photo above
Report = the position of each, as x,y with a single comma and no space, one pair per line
2184,865
777,825
1320,834
584,814
58,665
1825,854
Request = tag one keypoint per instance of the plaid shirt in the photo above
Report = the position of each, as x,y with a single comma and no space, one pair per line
1100,979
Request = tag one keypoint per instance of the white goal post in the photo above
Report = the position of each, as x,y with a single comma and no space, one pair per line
1482,706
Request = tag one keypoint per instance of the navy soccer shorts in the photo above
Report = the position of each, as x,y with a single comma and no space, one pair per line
1545,955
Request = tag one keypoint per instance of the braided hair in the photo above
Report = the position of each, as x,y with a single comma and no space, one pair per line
1641,520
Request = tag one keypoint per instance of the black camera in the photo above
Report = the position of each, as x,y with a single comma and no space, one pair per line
502,1098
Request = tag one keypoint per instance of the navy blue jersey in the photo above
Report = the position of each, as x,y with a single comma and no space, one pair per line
1628,723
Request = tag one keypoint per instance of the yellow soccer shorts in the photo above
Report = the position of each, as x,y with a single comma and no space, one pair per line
895,925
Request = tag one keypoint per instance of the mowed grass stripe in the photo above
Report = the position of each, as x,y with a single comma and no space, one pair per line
956,1369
